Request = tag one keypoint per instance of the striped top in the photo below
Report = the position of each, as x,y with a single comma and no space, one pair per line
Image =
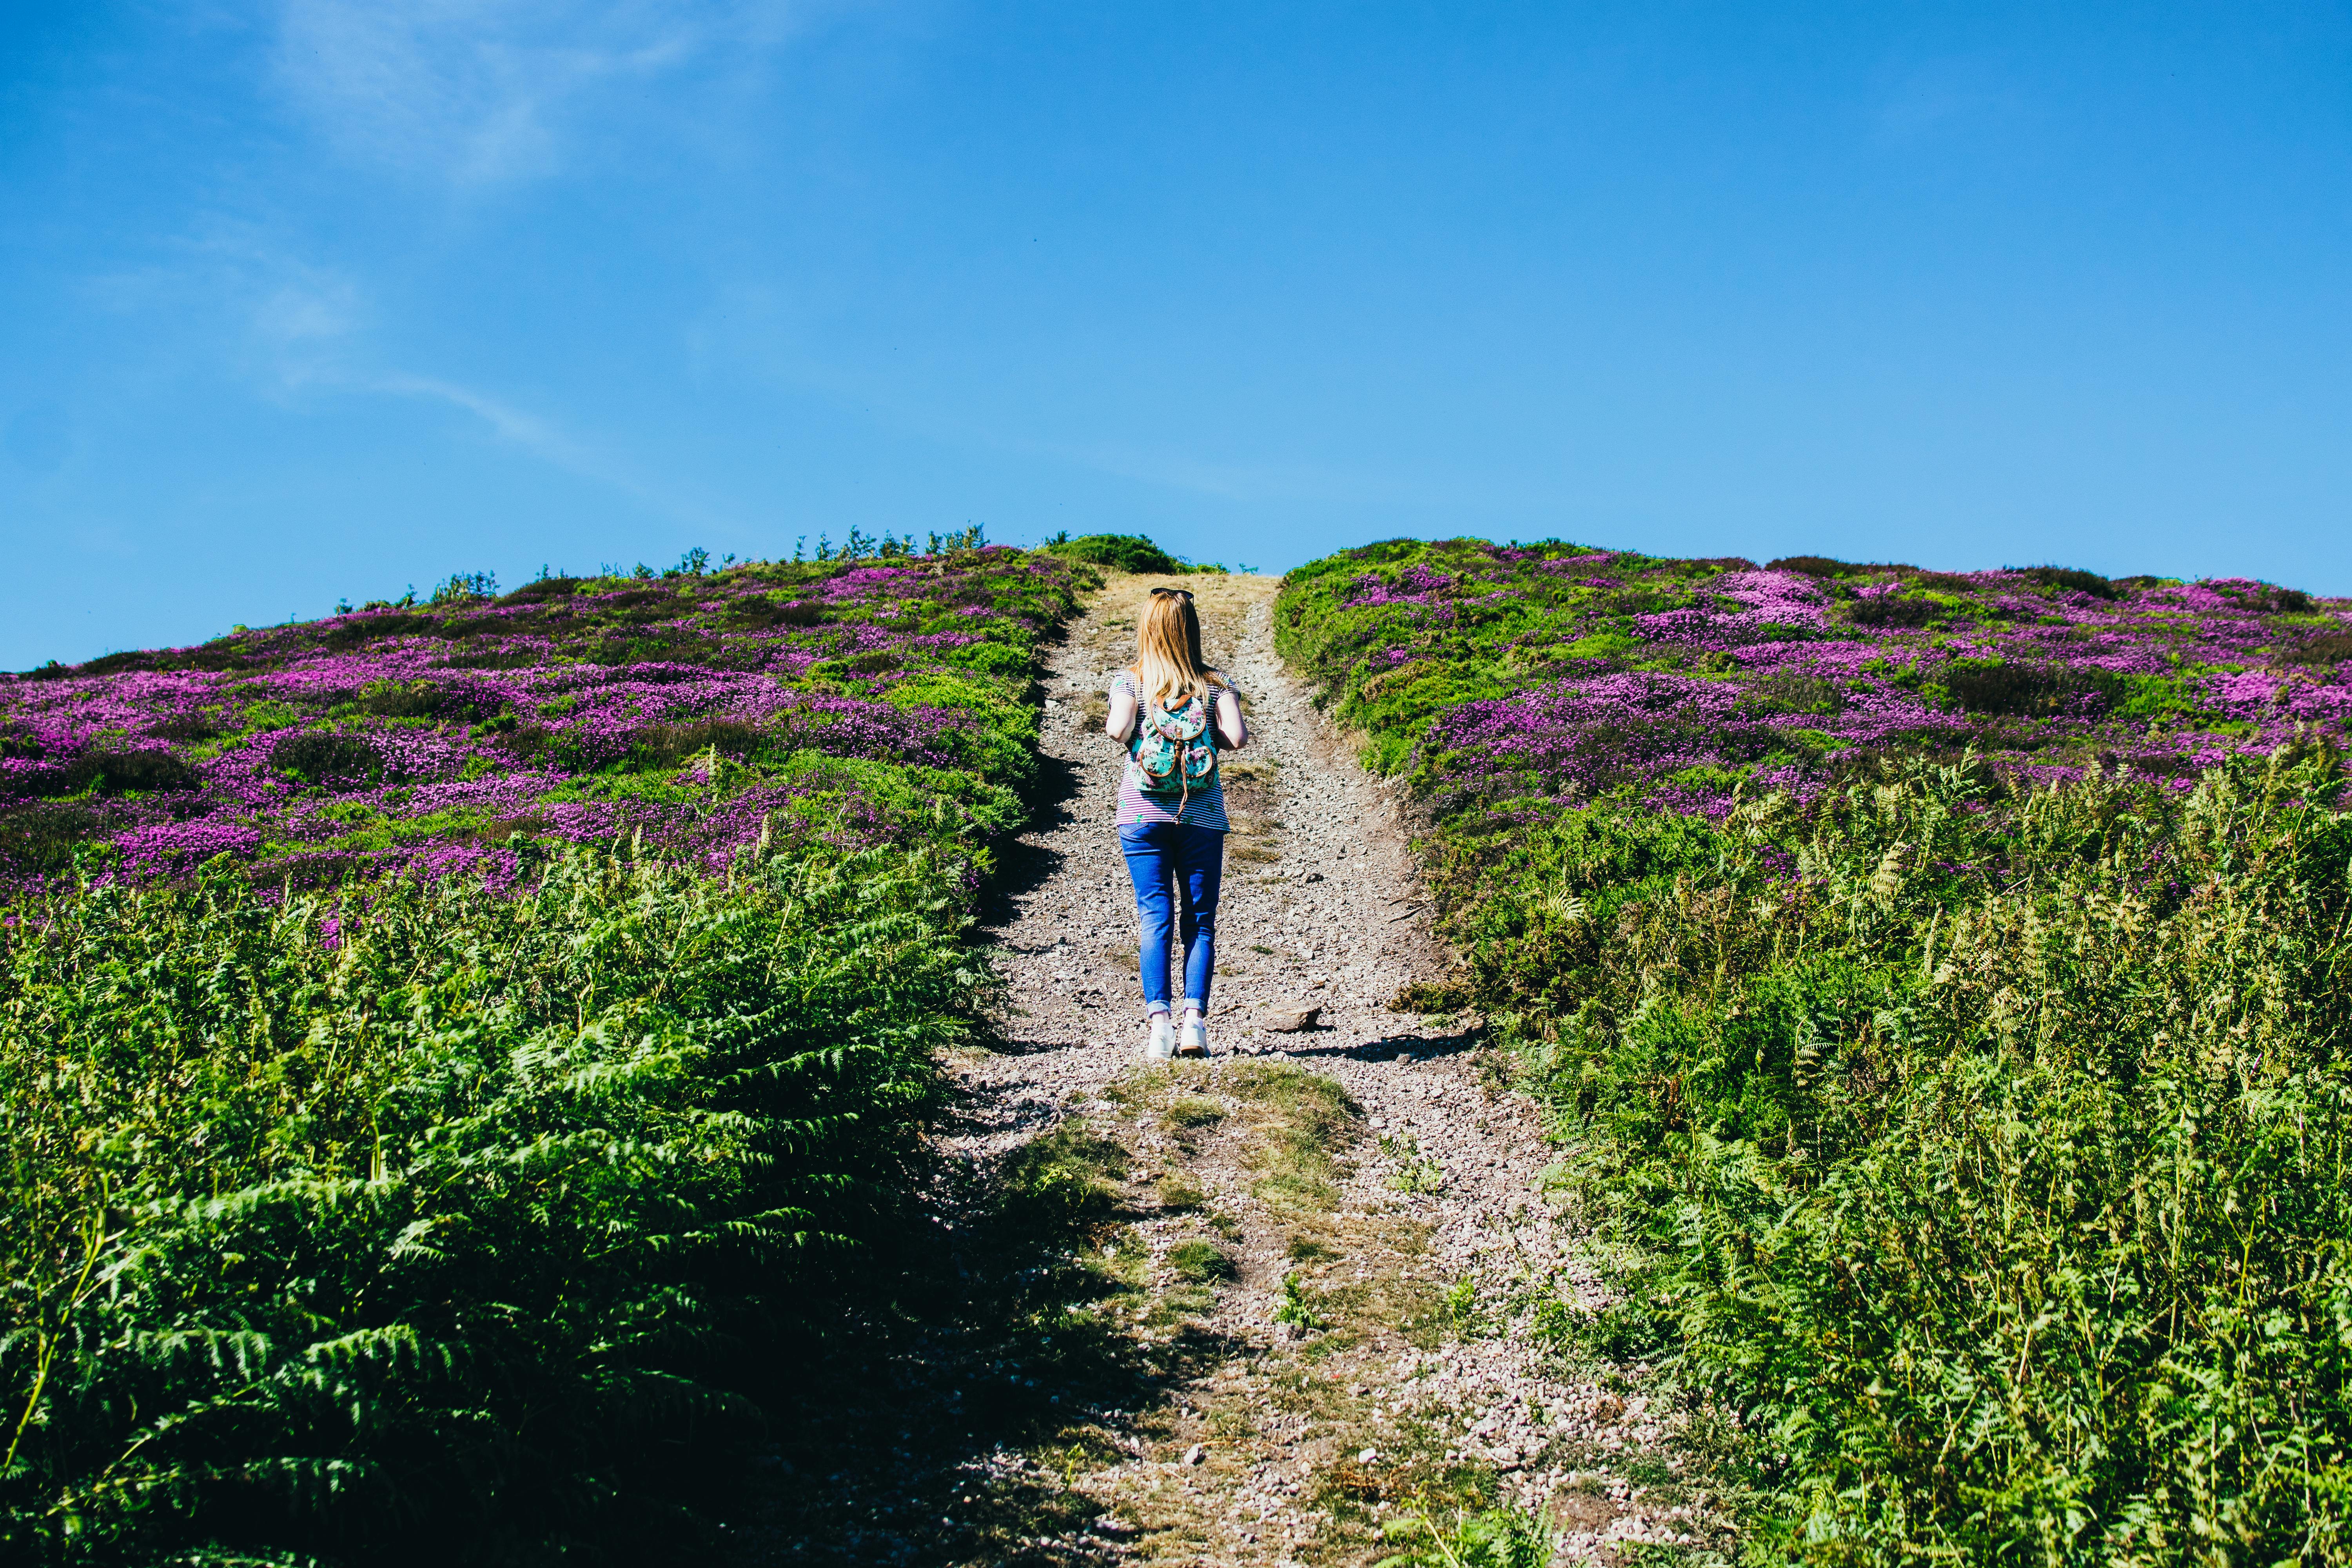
1202,808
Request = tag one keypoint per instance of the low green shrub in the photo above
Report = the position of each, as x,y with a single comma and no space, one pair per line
421,1220
1980,1140
1992,1163
1120,551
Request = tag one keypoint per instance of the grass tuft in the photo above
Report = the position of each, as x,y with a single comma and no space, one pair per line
1201,1262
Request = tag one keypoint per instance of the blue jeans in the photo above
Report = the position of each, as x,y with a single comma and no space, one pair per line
1193,858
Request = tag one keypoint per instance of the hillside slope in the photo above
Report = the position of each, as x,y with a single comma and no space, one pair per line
1941,987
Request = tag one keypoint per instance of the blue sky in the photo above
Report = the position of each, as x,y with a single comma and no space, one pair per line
329,297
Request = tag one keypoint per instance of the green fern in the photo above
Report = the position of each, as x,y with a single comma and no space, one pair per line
451,1238
1492,1537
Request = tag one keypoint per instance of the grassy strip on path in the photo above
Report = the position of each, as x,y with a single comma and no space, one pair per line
1075,1386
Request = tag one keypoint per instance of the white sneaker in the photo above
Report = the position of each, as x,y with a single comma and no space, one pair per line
1162,1043
1194,1041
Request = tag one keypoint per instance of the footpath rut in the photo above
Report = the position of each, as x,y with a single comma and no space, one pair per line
1323,1253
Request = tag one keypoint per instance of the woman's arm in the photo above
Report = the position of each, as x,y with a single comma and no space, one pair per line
1119,723
1233,729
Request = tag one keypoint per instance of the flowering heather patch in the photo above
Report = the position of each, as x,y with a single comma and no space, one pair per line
1566,674
464,1213
858,702
1942,986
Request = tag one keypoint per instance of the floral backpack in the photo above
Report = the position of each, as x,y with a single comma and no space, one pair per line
1174,751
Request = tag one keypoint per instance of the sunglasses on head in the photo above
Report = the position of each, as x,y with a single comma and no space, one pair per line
1185,593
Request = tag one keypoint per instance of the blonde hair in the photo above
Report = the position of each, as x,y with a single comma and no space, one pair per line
1168,663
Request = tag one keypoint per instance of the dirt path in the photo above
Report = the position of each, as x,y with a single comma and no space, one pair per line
1400,1215
1317,1262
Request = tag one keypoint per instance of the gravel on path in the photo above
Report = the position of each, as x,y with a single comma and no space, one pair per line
1425,1274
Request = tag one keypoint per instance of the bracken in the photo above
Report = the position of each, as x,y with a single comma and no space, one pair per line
1948,1030
460,1063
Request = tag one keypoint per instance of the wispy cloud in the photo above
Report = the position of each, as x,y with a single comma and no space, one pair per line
547,441
478,91
535,434
299,333
282,322
758,332
318,307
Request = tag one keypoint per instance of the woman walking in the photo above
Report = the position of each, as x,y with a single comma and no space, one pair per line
1175,715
